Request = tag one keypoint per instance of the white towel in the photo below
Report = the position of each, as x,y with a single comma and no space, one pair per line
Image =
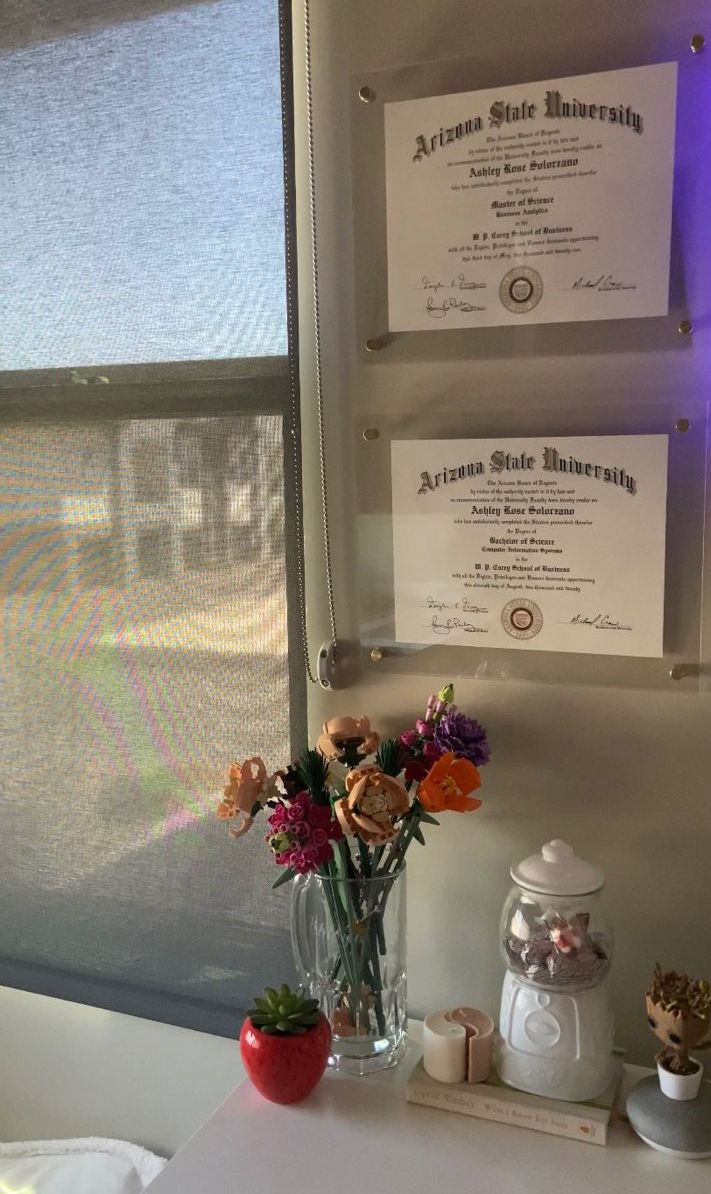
91,1166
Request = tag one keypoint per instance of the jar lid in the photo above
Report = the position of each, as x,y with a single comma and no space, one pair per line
557,871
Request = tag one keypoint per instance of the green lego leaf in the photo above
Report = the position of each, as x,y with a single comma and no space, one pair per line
285,877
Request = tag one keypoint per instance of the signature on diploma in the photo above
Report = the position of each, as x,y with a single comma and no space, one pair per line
469,608
451,624
460,283
466,606
439,310
598,622
602,283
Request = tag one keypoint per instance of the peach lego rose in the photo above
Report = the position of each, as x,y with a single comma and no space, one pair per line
347,736
373,805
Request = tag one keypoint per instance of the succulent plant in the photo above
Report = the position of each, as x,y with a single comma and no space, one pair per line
284,1012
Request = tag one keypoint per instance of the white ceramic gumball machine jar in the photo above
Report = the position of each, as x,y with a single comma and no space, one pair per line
556,1024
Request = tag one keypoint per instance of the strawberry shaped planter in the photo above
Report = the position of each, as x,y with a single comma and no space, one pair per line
285,1042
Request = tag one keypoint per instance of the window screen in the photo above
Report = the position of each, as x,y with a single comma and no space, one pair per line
142,197
146,530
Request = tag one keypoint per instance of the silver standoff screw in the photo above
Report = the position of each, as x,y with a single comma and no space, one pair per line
375,344
366,95
371,433
685,327
696,43
682,425
681,670
377,654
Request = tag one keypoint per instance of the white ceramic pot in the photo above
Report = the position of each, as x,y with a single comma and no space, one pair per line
680,1086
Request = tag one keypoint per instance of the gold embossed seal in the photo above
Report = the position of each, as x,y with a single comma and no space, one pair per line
521,289
522,618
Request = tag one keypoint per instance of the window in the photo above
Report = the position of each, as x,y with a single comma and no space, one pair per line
142,184
144,564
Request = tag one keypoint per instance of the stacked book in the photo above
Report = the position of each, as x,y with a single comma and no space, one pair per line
495,1101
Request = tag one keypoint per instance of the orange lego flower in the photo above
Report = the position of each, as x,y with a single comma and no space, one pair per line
448,786
248,788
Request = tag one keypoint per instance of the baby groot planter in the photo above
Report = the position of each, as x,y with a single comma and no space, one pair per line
679,1013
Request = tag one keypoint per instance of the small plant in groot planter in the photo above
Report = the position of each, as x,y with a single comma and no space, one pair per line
285,1042
679,1013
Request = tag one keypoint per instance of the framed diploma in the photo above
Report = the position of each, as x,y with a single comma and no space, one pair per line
533,544
536,203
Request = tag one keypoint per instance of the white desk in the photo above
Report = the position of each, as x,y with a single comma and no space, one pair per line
359,1136
71,1070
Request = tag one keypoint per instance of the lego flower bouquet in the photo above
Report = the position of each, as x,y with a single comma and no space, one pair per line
338,824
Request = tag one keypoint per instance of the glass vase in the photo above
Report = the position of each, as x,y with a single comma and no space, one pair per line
349,939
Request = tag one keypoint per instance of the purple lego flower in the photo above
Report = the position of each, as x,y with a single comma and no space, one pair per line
465,737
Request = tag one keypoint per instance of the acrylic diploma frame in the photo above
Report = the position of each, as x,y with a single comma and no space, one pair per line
539,619
630,374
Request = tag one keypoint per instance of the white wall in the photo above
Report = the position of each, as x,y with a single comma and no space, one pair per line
621,772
